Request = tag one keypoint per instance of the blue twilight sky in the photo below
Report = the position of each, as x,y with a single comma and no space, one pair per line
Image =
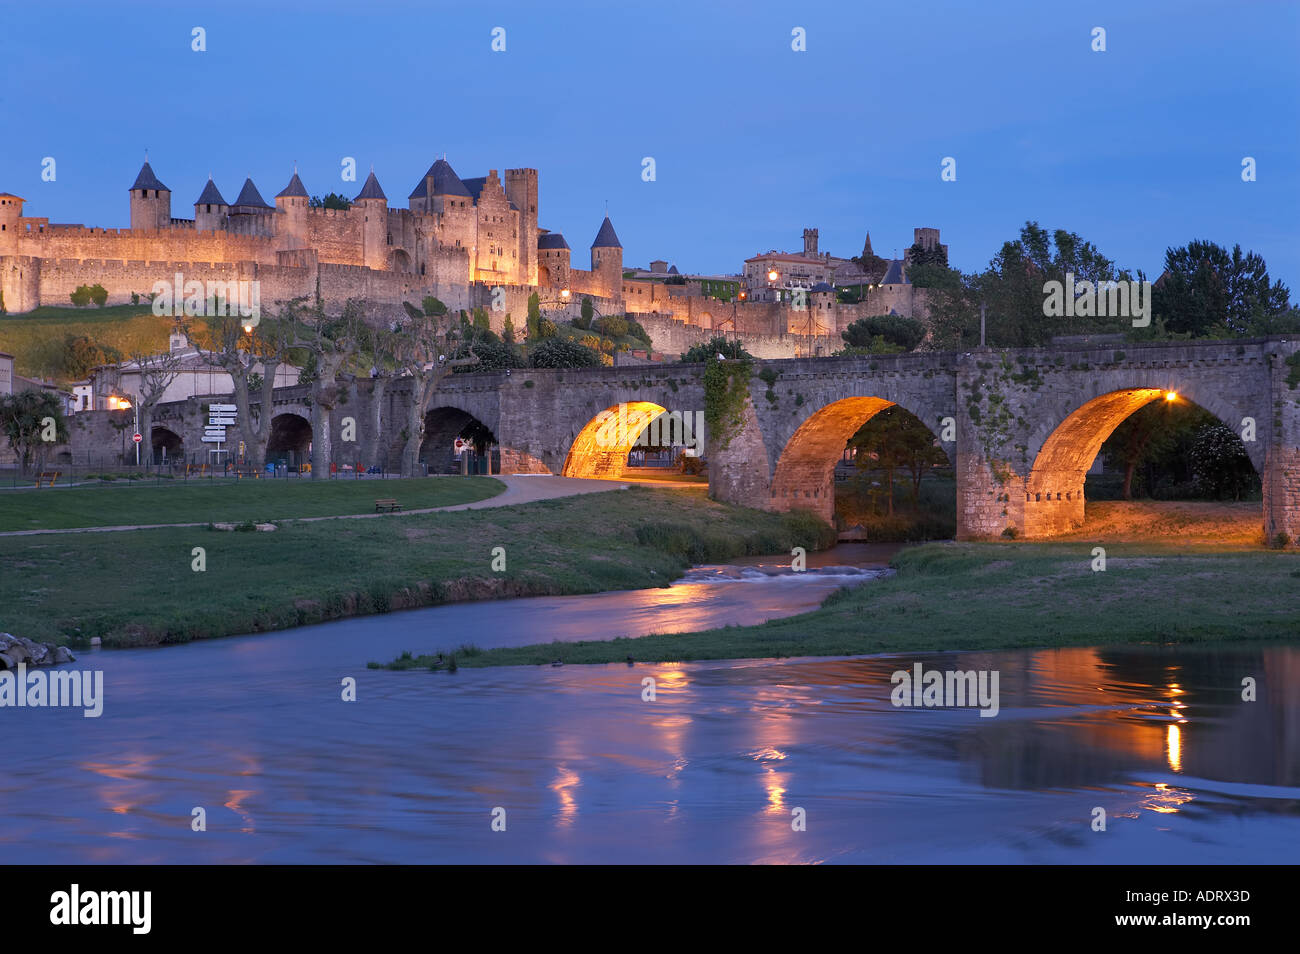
1137,148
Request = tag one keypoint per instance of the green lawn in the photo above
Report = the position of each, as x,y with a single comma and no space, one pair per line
949,596
140,588
131,503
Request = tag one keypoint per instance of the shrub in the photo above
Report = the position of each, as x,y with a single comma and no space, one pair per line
896,330
709,350
614,326
562,353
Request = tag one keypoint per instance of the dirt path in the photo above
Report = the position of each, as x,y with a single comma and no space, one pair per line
520,489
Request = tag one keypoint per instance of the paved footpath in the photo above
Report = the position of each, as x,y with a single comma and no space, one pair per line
520,489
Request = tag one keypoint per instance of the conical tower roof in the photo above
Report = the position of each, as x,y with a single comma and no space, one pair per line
147,180
606,237
445,182
371,189
294,189
210,195
249,197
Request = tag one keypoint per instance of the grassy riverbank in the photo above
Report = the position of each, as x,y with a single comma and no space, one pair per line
949,596
131,503
134,588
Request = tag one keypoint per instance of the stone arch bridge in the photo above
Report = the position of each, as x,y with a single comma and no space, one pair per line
1021,427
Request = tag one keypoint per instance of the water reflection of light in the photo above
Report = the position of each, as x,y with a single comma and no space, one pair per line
1174,744
565,781
1166,800
236,804
775,790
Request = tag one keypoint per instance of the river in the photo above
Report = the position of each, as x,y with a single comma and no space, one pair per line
254,731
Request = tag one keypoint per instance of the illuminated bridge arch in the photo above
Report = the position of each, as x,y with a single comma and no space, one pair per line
804,478
1053,491
600,449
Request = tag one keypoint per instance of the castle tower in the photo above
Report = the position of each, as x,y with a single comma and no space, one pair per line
553,260
521,190
291,203
607,259
151,202
374,227
809,243
250,215
11,210
210,209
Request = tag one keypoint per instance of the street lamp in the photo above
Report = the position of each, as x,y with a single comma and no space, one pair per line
116,403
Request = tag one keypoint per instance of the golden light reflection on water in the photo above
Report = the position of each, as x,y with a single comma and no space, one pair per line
773,781
566,780
1165,800
1174,743
236,804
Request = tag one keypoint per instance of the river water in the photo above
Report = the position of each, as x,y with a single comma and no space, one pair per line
715,769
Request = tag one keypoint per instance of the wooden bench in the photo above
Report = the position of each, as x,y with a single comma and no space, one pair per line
50,475
389,504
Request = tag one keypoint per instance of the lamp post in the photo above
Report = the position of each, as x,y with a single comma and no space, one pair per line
121,404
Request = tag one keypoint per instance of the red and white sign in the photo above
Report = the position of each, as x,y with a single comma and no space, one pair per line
137,438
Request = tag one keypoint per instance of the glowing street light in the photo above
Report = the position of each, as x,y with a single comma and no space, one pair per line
773,275
1171,395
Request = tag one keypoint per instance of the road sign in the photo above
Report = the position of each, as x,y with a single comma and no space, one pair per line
213,439
137,438
222,408
221,420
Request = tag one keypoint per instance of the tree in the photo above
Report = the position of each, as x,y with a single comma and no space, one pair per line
238,352
873,266
433,306
331,201
493,354
918,254
727,347
895,439
157,372
333,342
616,326
588,309
1220,464
534,315
1206,291
1152,439
508,330
422,352
32,421
81,355
905,333
563,353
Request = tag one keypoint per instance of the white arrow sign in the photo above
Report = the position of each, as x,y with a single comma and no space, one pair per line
217,408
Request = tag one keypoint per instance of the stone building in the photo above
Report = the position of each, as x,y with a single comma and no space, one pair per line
456,238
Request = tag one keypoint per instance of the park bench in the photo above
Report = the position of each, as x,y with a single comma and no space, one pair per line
50,475
389,504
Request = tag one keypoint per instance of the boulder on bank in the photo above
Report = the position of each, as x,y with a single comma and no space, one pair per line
17,649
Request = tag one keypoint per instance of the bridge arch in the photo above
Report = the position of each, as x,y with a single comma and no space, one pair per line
442,426
804,477
601,447
1054,488
290,439
165,440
